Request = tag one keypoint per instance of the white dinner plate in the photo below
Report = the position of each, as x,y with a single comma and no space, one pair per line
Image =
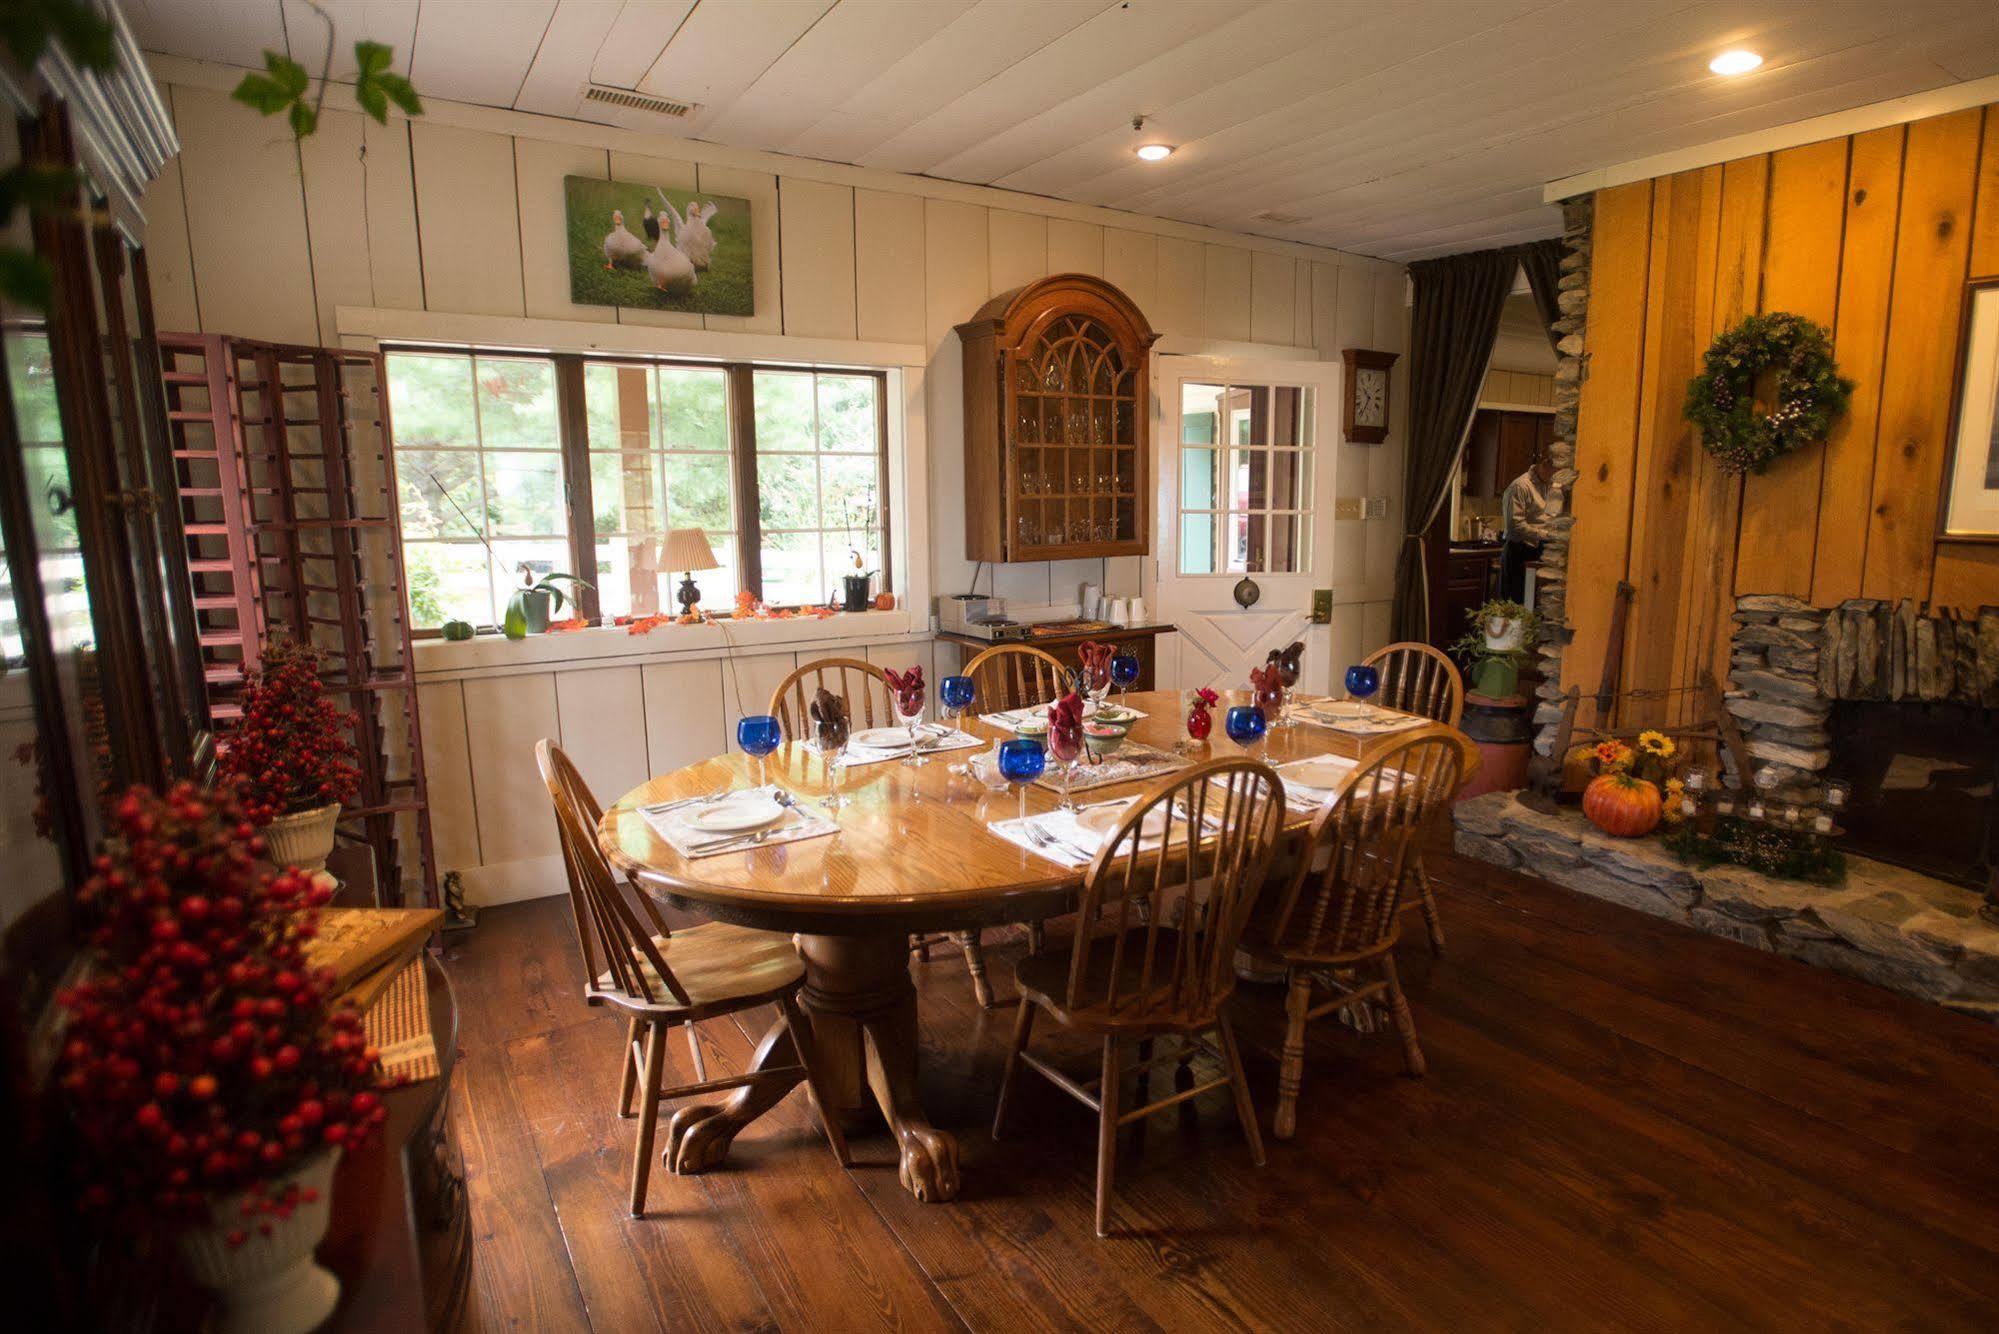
1320,771
1100,820
882,738
745,810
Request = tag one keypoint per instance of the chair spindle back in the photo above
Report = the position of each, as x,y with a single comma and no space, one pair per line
1013,676
1178,903
1372,828
1419,679
860,684
614,937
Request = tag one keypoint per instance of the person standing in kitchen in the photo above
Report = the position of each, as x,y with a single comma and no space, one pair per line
1524,504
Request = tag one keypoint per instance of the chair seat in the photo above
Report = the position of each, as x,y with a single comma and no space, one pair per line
1262,954
1044,979
717,964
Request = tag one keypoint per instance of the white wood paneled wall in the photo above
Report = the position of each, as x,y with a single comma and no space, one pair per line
461,212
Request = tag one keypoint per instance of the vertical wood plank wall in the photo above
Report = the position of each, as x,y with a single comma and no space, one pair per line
1873,236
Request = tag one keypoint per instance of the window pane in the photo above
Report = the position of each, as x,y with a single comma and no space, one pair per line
625,492
693,408
629,582
617,405
791,569
1197,479
441,493
524,494
542,556
1197,544
517,404
847,492
839,552
783,401
448,582
430,399
787,494
697,491
847,414
1200,410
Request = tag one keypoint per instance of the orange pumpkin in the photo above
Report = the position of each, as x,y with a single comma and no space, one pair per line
884,602
1622,806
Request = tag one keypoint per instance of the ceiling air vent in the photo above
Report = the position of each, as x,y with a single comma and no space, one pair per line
1275,219
626,100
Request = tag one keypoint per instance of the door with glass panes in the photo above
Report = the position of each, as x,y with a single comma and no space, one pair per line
1245,452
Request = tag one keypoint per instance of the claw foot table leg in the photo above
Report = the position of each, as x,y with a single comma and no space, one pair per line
699,1135
863,1009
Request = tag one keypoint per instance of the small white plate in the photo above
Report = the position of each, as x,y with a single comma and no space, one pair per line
1321,771
748,810
882,738
1343,708
1101,820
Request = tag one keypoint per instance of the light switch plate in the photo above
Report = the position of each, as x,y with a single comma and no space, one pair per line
1377,507
1322,606
1350,507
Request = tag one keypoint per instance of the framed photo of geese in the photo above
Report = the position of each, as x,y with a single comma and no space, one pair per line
658,248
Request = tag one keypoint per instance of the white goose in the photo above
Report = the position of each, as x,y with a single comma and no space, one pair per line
694,238
620,246
670,270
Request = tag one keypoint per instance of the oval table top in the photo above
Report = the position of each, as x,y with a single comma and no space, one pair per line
913,852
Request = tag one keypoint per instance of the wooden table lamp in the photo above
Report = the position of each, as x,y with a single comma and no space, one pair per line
687,550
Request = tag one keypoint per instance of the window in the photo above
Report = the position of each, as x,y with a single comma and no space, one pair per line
557,462
1245,478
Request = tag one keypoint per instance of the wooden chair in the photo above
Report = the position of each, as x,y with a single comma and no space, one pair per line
1419,679
860,684
1013,676
1152,956
869,704
1337,923
663,980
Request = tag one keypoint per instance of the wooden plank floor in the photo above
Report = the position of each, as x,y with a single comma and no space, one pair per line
1626,1125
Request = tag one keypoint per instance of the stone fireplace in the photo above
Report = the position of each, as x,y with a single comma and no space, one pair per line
1899,703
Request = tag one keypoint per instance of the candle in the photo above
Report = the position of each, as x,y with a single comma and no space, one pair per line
1756,808
1689,807
1696,780
1835,795
1822,822
1724,804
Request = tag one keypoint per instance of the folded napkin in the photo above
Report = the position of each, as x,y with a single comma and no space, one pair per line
1066,842
1371,721
669,821
935,740
1009,719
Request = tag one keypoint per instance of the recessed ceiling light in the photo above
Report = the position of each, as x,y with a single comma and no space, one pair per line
1735,62
1154,152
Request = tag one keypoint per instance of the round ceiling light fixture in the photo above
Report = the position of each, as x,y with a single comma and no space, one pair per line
1153,151
1735,62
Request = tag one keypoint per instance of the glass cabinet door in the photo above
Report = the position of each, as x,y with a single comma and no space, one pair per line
1075,413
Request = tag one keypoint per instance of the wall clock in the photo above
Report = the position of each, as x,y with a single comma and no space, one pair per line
1367,395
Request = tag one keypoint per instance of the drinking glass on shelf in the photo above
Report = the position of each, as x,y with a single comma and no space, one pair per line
957,693
759,734
1246,725
1021,761
1124,672
1363,680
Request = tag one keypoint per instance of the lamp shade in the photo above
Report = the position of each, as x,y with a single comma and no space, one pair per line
688,549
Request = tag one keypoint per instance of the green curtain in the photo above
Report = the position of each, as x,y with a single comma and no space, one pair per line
1452,323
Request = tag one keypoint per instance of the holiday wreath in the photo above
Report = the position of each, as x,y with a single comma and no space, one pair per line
1810,392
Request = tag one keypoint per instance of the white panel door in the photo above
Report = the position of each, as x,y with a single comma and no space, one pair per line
1244,452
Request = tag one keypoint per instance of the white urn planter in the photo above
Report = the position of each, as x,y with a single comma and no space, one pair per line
1504,634
303,838
268,1284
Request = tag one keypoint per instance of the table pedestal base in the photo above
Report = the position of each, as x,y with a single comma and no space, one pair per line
861,1007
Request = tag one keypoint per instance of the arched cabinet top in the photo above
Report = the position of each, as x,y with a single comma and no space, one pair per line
1017,319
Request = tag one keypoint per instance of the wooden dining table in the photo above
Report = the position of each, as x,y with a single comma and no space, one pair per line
912,854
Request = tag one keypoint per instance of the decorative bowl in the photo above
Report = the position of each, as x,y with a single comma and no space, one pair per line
1103,739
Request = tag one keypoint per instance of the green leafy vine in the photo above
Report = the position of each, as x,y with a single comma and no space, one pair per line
284,88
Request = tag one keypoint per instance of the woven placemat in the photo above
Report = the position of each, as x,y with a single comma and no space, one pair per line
399,1027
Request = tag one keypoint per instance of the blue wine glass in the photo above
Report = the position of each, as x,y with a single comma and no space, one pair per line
957,692
1021,761
759,734
1124,671
1363,680
1246,725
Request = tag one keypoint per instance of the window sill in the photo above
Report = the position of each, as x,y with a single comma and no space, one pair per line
442,659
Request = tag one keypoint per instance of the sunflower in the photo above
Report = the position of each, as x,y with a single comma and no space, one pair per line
1612,755
1657,744
1675,792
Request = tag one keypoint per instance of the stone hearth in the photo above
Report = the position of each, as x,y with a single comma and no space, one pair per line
1886,925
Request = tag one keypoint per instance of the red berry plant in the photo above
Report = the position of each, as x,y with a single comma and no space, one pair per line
293,750
203,1056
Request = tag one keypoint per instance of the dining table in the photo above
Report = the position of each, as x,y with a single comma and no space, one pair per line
913,852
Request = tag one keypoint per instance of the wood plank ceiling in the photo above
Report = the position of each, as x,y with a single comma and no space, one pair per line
1396,128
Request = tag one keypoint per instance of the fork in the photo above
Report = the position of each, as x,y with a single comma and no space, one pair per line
1041,838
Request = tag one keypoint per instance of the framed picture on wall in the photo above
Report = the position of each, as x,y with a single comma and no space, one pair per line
1971,483
657,248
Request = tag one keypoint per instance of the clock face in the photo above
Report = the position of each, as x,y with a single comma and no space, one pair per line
1370,389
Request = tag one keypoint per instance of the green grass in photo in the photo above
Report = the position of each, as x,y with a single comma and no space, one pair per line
725,287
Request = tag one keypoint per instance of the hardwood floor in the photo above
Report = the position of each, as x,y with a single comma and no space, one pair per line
1626,1124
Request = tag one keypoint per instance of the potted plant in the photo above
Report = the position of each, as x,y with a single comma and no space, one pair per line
210,1080
1501,635
292,756
1624,799
528,609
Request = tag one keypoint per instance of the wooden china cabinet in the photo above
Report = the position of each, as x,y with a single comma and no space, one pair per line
1057,463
